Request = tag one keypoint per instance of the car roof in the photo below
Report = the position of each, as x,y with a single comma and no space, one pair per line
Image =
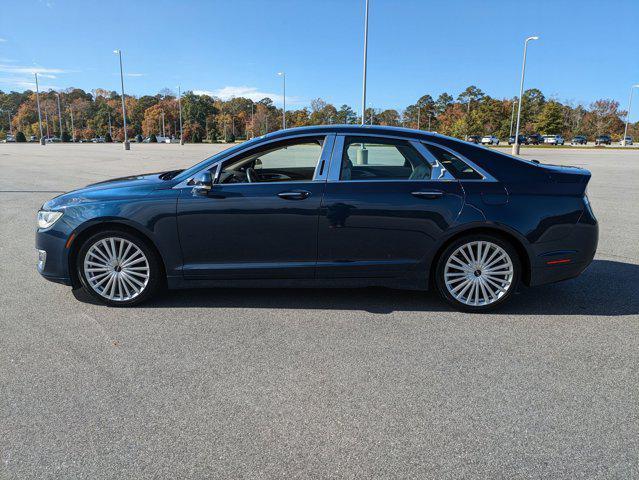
357,129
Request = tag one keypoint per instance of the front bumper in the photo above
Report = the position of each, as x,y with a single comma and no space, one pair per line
51,244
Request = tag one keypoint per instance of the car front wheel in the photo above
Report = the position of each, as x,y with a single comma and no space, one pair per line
118,268
478,273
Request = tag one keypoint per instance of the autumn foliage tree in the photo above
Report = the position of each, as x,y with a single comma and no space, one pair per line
208,118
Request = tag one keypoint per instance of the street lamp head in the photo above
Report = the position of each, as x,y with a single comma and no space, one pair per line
636,85
116,51
532,38
279,74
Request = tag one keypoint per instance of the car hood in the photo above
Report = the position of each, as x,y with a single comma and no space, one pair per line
133,186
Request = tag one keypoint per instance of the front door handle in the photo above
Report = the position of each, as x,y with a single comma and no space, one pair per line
428,194
294,195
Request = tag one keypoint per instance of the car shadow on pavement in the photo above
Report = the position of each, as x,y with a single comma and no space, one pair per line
606,288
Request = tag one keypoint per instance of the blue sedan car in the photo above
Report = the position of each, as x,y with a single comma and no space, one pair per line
328,206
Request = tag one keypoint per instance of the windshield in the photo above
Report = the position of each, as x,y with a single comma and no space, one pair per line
189,172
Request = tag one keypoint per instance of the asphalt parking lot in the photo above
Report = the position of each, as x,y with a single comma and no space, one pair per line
315,383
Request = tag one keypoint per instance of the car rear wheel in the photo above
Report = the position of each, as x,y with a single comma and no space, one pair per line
118,268
477,273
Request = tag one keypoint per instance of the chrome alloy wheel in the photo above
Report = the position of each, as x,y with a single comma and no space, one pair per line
478,273
116,269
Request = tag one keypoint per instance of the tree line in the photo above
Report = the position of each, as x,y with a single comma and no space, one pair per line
206,118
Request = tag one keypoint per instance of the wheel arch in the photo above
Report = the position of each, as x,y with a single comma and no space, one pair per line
79,237
517,243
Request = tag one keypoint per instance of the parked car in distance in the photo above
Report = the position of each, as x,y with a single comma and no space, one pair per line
51,140
489,140
473,139
553,139
579,140
603,140
522,139
33,138
98,140
628,141
534,139
158,139
446,216
9,139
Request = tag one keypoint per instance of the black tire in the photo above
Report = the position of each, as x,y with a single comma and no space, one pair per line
155,271
453,247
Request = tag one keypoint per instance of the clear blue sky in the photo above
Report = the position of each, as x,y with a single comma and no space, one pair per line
588,49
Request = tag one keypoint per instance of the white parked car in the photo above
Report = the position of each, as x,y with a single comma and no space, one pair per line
554,139
628,140
489,140
10,138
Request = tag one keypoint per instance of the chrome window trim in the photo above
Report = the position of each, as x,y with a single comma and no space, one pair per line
327,146
438,172
322,166
487,176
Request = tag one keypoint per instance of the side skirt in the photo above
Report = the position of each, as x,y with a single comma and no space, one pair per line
406,283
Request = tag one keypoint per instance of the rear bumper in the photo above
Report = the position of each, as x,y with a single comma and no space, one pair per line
556,273
568,257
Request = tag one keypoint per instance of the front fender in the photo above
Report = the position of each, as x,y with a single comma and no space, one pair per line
153,216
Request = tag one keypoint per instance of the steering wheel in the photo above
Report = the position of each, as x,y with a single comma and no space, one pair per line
251,175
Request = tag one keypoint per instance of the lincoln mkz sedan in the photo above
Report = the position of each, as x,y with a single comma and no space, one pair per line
329,206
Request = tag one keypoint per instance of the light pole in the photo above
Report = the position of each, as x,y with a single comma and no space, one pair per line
365,60
252,121
72,126
9,117
521,93
46,121
59,114
283,75
163,131
127,146
512,118
625,132
180,108
39,111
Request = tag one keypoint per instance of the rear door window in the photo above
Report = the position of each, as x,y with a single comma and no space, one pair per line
378,158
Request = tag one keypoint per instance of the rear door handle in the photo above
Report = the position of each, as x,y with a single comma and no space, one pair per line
428,194
294,195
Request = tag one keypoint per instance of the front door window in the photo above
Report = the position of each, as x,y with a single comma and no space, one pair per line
284,162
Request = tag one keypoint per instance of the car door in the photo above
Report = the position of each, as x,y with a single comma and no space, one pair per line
386,203
259,220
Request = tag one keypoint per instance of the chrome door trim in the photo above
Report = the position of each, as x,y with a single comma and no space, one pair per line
335,165
321,169
437,171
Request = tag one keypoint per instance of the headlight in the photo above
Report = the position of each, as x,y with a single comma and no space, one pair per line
46,219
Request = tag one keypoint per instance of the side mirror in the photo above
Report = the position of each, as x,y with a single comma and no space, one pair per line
202,183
